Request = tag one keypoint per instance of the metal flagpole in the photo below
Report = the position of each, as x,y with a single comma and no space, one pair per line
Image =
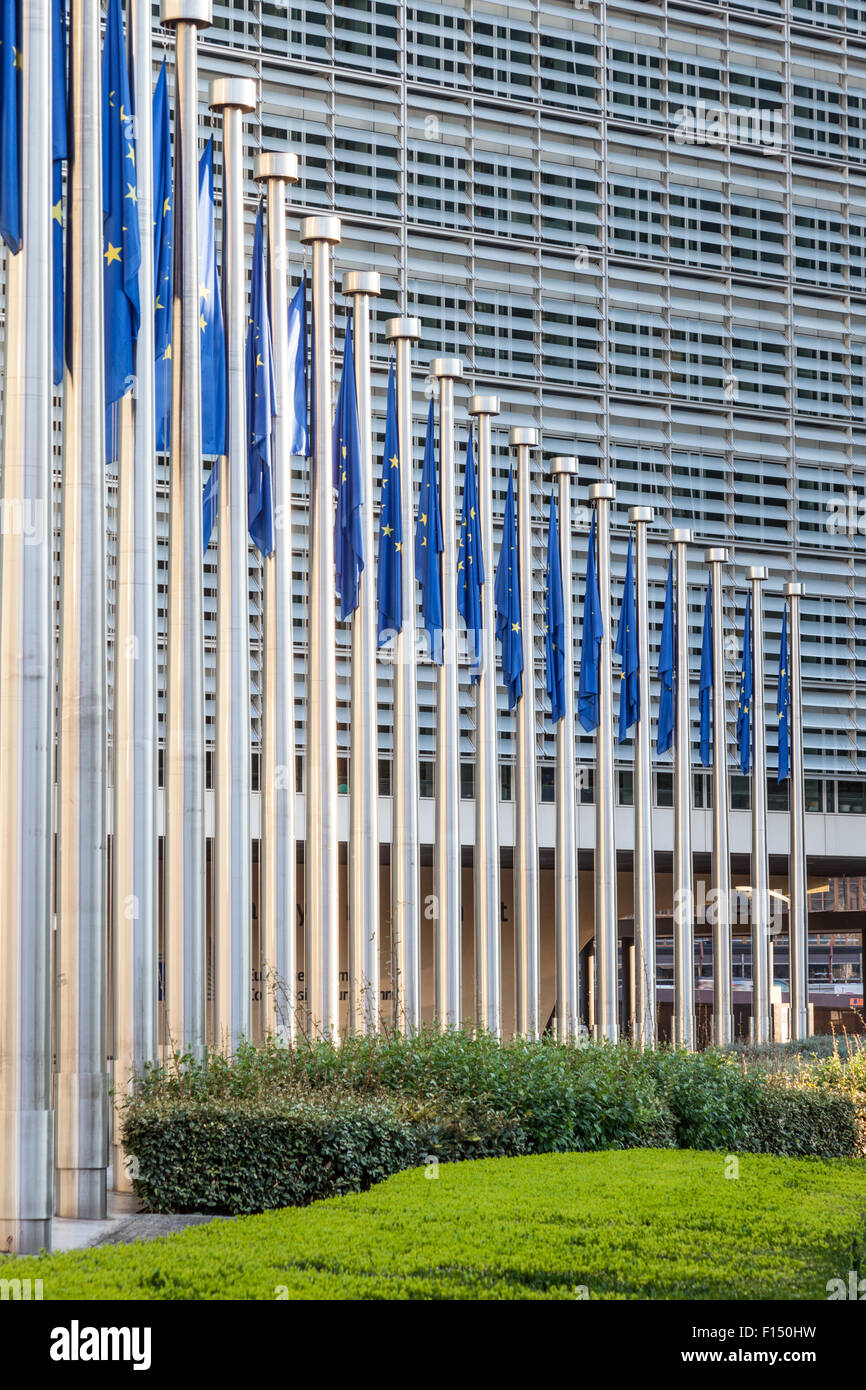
321,884
26,681
134,842
798,911
562,470
761,983
278,875
405,836
606,1006
644,856
488,942
360,286
684,914
185,982
232,848
82,1080
448,936
723,989
527,907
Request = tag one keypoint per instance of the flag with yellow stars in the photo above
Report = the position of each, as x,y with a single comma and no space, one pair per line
747,690
554,620
590,648
163,251
506,596
349,485
470,565
58,154
667,667
211,324
390,575
626,650
261,400
429,545
10,125
783,700
121,241
705,682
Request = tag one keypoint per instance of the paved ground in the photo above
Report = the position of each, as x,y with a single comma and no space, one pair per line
146,1226
124,1223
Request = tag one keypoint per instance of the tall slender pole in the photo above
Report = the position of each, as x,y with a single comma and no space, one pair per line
134,842
232,848
606,1006
26,682
278,906
562,470
723,988
405,835
321,861
644,855
184,905
360,286
798,910
527,901
684,912
82,1081
488,909
448,932
761,982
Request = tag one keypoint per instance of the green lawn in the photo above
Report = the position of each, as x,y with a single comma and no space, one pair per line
642,1223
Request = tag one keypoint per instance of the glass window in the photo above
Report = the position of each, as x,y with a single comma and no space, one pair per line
741,792
467,781
586,783
506,777
814,794
777,795
625,785
384,776
548,783
426,779
852,797
664,789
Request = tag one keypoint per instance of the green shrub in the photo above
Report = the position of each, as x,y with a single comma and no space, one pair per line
794,1120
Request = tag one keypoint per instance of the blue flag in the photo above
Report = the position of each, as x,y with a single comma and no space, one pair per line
554,621
705,686
349,484
121,243
470,565
163,252
590,649
429,545
10,125
58,154
210,504
747,690
626,650
506,598
213,341
390,575
299,434
667,663
783,700
261,400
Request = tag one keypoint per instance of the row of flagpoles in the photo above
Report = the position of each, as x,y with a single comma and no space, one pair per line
206,374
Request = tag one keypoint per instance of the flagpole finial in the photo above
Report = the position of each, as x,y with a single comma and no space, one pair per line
276,164
446,367
232,91
794,590
567,464
681,535
602,492
402,327
636,514
484,405
523,435
361,282
186,12
321,229
757,573
717,555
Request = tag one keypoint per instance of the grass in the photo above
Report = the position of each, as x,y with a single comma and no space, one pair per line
650,1224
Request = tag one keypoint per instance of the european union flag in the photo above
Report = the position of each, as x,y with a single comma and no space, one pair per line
626,650
163,251
590,649
554,621
747,690
506,598
122,253
429,545
348,535
390,576
470,565
705,685
58,154
210,504
667,661
213,340
10,125
783,700
261,400
299,434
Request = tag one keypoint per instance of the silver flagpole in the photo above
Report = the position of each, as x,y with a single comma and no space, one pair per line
82,1080
278,875
134,842
185,980
232,1012
26,682
798,910
562,470
606,1005
448,935
488,941
644,856
684,913
321,859
359,286
723,988
405,836
527,905
761,982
